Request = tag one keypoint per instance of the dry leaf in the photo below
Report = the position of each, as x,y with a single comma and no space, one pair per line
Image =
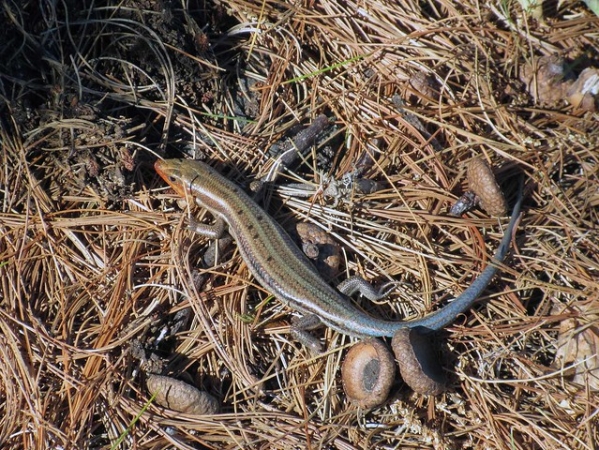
578,346
584,92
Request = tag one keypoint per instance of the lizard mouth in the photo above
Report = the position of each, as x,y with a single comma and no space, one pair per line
167,171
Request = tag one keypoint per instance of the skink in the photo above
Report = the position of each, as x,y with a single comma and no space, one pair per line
282,269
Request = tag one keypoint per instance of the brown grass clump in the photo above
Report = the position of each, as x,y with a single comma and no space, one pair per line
100,277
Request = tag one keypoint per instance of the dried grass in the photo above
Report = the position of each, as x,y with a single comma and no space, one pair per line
95,255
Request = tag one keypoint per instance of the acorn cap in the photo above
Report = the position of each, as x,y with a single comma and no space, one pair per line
418,362
482,182
368,372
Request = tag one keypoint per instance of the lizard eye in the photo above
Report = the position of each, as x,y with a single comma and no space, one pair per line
172,179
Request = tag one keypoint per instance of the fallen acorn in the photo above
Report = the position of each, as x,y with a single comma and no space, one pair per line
180,396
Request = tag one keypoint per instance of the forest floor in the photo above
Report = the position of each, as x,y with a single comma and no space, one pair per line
102,284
